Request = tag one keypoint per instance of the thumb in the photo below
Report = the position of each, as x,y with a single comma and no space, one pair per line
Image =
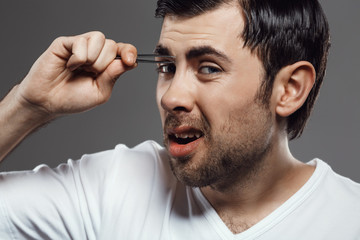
107,79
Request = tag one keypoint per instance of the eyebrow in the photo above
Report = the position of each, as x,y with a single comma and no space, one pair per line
194,52
162,50
200,51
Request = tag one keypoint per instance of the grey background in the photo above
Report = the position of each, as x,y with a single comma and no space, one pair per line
28,27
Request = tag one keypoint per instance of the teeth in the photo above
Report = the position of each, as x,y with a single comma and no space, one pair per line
188,135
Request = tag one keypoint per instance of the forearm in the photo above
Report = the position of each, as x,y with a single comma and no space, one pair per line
17,121
59,83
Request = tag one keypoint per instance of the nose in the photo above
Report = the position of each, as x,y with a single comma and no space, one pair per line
179,95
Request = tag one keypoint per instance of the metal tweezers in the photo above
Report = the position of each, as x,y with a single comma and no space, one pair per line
150,58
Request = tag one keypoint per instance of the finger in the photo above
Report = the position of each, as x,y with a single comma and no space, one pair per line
79,52
96,42
107,55
128,53
107,79
84,48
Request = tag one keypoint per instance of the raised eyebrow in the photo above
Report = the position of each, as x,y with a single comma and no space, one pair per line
206,50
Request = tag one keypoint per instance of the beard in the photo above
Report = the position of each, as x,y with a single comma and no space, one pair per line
233,152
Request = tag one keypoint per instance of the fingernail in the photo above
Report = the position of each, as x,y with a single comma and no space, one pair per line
131,58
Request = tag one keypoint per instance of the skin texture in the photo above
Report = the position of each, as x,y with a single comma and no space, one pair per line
237,127
242,161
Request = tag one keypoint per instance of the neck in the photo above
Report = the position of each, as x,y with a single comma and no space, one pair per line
243,201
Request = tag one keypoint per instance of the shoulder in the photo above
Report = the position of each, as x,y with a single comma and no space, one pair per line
145,153
147,157
338,182
336,190
145,150
334,197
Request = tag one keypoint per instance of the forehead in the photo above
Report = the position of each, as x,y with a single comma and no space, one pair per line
220,27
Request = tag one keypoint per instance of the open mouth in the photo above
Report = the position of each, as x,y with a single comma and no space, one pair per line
185,138
183,141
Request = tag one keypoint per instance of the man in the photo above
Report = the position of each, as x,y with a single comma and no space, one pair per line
243,80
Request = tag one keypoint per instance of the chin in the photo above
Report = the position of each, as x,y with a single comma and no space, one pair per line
192,171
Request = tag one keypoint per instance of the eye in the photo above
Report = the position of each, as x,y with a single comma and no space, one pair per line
166,68
209,70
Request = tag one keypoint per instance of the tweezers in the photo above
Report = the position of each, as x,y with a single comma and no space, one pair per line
150,58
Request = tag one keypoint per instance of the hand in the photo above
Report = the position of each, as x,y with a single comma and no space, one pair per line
75,74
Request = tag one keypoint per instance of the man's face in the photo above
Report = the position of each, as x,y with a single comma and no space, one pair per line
214,126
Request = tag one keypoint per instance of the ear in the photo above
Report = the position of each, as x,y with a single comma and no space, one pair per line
292,86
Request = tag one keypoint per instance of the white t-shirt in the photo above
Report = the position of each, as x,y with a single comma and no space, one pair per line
131,194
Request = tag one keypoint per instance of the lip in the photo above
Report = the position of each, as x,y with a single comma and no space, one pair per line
182,150
181,129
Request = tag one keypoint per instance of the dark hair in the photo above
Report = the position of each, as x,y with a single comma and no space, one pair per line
280,32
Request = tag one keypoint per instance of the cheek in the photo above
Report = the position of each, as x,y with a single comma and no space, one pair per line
213,105
159,94
218,101
230,112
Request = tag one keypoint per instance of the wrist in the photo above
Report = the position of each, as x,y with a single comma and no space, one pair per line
17,120
23,112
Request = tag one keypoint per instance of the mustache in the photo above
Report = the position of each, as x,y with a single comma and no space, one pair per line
176,120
